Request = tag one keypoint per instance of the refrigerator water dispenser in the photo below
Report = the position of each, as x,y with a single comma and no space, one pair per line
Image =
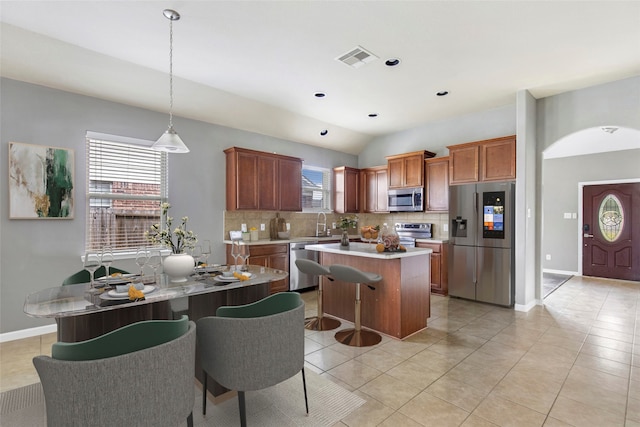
458,227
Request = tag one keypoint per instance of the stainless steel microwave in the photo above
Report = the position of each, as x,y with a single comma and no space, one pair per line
406,199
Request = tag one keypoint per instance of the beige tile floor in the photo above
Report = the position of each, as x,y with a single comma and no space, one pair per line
573,362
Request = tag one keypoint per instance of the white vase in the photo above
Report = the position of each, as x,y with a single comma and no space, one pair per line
178,267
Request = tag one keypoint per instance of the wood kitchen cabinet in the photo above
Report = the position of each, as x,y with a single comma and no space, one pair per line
256,180
346,190
436,178
374,189
483,161
407,170
439,268
273,256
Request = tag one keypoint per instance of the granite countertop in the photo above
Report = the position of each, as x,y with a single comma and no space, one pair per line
320,240
366,250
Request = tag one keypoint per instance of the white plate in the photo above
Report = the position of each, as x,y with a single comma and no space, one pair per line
115,278
113,294
230,279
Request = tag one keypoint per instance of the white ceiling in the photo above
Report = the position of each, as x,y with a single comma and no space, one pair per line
255,65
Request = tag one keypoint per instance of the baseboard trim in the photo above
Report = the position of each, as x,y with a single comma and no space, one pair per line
565,272
28,333
526,307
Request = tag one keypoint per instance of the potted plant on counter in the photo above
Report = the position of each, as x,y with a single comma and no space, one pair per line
178,264
346,222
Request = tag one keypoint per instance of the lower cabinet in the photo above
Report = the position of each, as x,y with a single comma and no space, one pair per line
272,256
439,274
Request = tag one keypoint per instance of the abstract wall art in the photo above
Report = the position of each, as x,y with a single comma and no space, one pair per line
41,182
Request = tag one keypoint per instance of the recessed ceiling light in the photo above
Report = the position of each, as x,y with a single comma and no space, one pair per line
319,95
392,62
373,115
443,93
323,132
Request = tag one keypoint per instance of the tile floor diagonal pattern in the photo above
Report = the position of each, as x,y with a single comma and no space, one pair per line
573,362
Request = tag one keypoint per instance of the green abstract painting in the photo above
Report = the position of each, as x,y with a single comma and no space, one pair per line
41,181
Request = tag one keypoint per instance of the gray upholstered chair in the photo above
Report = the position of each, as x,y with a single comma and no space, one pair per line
319,322
139,382
356,337
253,346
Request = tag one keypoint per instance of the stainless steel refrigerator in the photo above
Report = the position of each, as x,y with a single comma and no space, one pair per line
481,243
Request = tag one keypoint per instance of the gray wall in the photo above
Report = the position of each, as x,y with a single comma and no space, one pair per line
36,254
616,103
560,189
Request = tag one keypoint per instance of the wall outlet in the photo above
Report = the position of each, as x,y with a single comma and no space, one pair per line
262,227
243,227
333,225
574,215
445,227
548,257
288,226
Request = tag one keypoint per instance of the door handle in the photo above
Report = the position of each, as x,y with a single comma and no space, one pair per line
588,235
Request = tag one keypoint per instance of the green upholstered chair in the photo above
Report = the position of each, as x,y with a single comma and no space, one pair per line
84,277
141,374
253,346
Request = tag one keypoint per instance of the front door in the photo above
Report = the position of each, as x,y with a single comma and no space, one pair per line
611,231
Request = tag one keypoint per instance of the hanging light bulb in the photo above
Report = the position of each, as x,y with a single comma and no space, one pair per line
170,141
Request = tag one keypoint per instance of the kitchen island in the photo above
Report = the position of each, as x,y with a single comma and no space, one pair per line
400,304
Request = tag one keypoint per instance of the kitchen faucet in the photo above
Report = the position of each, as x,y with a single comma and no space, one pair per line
323,224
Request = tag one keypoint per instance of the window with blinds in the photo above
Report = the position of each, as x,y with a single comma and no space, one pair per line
126,183
316,189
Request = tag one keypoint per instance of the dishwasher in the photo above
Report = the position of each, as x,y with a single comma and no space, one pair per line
297,279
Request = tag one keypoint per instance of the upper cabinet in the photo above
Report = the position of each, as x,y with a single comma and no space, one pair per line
346,190
480,161
374,189
262,181
407,170
436,178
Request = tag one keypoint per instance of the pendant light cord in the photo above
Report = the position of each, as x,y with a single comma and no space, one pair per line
170,73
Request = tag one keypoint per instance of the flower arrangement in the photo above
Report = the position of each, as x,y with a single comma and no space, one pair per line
178,240
348,222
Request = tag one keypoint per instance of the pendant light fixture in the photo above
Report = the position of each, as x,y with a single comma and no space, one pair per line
170,141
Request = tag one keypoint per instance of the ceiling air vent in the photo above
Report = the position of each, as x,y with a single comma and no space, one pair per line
357,57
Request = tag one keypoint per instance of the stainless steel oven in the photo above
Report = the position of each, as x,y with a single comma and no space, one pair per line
410,231
406,199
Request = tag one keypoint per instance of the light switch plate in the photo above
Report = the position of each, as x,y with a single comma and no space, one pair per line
262,227
445,227
243,227
288,226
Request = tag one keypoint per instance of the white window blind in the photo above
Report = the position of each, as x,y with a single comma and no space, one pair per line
126,182
316,189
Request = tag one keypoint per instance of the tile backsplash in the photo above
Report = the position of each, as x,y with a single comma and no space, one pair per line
304,224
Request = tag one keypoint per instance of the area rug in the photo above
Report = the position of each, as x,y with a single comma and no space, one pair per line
552,281
278,406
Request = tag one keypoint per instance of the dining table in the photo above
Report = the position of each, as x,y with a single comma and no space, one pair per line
83,311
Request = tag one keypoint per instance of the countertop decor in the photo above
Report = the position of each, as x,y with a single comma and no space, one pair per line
178,239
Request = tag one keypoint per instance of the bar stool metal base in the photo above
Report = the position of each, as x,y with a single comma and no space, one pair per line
355,338
321,324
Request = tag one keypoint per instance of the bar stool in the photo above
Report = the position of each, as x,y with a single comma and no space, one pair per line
356,337
319,322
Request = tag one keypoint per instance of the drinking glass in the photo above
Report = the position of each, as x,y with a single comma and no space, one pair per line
235,252
91,264
244,255
155,259
196,253
107,260
141,259
206,251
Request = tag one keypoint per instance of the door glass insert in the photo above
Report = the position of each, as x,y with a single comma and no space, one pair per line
611,218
